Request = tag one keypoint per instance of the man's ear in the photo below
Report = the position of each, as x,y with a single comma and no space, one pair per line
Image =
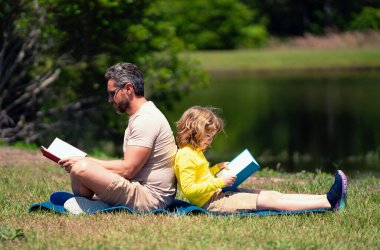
129,88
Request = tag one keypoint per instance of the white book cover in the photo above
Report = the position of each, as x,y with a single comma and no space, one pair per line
238,164
242,166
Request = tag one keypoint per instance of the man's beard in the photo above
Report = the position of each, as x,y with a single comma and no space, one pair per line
121,107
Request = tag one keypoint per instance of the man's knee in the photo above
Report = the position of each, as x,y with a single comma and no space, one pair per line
80,169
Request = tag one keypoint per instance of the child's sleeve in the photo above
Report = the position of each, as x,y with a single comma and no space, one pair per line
215,169
190,187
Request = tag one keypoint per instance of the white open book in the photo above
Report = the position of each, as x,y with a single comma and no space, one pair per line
59,149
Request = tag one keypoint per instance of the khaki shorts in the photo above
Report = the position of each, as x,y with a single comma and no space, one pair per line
122,192
240,201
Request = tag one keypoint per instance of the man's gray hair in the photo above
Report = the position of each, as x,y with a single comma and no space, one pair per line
124,72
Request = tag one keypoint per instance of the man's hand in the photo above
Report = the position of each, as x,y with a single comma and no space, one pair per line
68,163
229,180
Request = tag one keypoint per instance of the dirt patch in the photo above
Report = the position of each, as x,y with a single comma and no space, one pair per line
10,156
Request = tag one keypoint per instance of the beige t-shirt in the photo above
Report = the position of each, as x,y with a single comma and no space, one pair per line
149,128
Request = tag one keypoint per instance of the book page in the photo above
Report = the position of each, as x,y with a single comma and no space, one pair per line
63,150
238,164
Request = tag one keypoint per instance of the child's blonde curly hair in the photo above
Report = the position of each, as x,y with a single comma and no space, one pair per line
195,123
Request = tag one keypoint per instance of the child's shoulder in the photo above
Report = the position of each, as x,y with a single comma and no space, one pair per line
187,151
188,155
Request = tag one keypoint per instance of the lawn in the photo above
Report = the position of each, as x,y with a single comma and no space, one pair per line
285,60
28,178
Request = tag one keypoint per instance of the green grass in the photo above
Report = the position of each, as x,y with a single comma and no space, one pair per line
288,60
23,184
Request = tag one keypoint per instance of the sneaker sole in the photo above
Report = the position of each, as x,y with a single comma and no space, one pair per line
342,203
81,205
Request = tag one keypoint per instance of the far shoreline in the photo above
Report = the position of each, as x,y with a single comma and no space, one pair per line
292,71
268,61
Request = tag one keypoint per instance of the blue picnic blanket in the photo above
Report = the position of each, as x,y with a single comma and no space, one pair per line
177,207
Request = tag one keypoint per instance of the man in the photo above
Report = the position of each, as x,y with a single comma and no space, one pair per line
144,178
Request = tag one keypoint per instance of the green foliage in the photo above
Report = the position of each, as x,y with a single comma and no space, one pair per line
78,41
27,146
367,19
27,41
254,36
293,17
213,24
82,40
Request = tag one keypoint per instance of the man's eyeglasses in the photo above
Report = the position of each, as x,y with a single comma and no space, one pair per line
114,92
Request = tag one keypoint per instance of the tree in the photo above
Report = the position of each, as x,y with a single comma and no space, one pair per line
213,24
367,19
297,17
61,73
24,73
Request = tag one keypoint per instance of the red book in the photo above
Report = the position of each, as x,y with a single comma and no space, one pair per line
59,149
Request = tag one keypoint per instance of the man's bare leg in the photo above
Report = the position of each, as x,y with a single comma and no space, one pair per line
89,178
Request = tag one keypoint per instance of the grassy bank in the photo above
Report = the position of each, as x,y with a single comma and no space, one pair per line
288,60
27,178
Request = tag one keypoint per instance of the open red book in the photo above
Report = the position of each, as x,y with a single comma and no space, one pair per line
59,149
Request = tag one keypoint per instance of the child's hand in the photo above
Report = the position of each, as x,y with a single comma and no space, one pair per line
229,180
223,165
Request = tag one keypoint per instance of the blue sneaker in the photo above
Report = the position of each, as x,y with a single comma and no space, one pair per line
337,196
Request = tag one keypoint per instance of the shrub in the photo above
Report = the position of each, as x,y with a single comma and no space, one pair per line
254,36
367,19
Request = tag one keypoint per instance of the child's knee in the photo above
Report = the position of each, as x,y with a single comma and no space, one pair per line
269,196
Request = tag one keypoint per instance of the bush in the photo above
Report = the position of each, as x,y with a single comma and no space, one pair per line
207,25
254,36
368,19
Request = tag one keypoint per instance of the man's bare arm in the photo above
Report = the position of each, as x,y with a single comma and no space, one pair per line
133,161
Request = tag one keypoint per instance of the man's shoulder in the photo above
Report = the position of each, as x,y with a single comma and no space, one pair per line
148,108
150,112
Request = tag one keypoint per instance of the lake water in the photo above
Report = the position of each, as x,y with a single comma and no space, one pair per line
296,122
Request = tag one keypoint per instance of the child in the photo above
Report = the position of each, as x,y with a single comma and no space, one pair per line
195,131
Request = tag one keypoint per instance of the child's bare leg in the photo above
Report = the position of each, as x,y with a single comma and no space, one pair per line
304,196
288,196
290,202
336,198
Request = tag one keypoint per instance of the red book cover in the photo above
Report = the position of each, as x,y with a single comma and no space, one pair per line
49,155
59,149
